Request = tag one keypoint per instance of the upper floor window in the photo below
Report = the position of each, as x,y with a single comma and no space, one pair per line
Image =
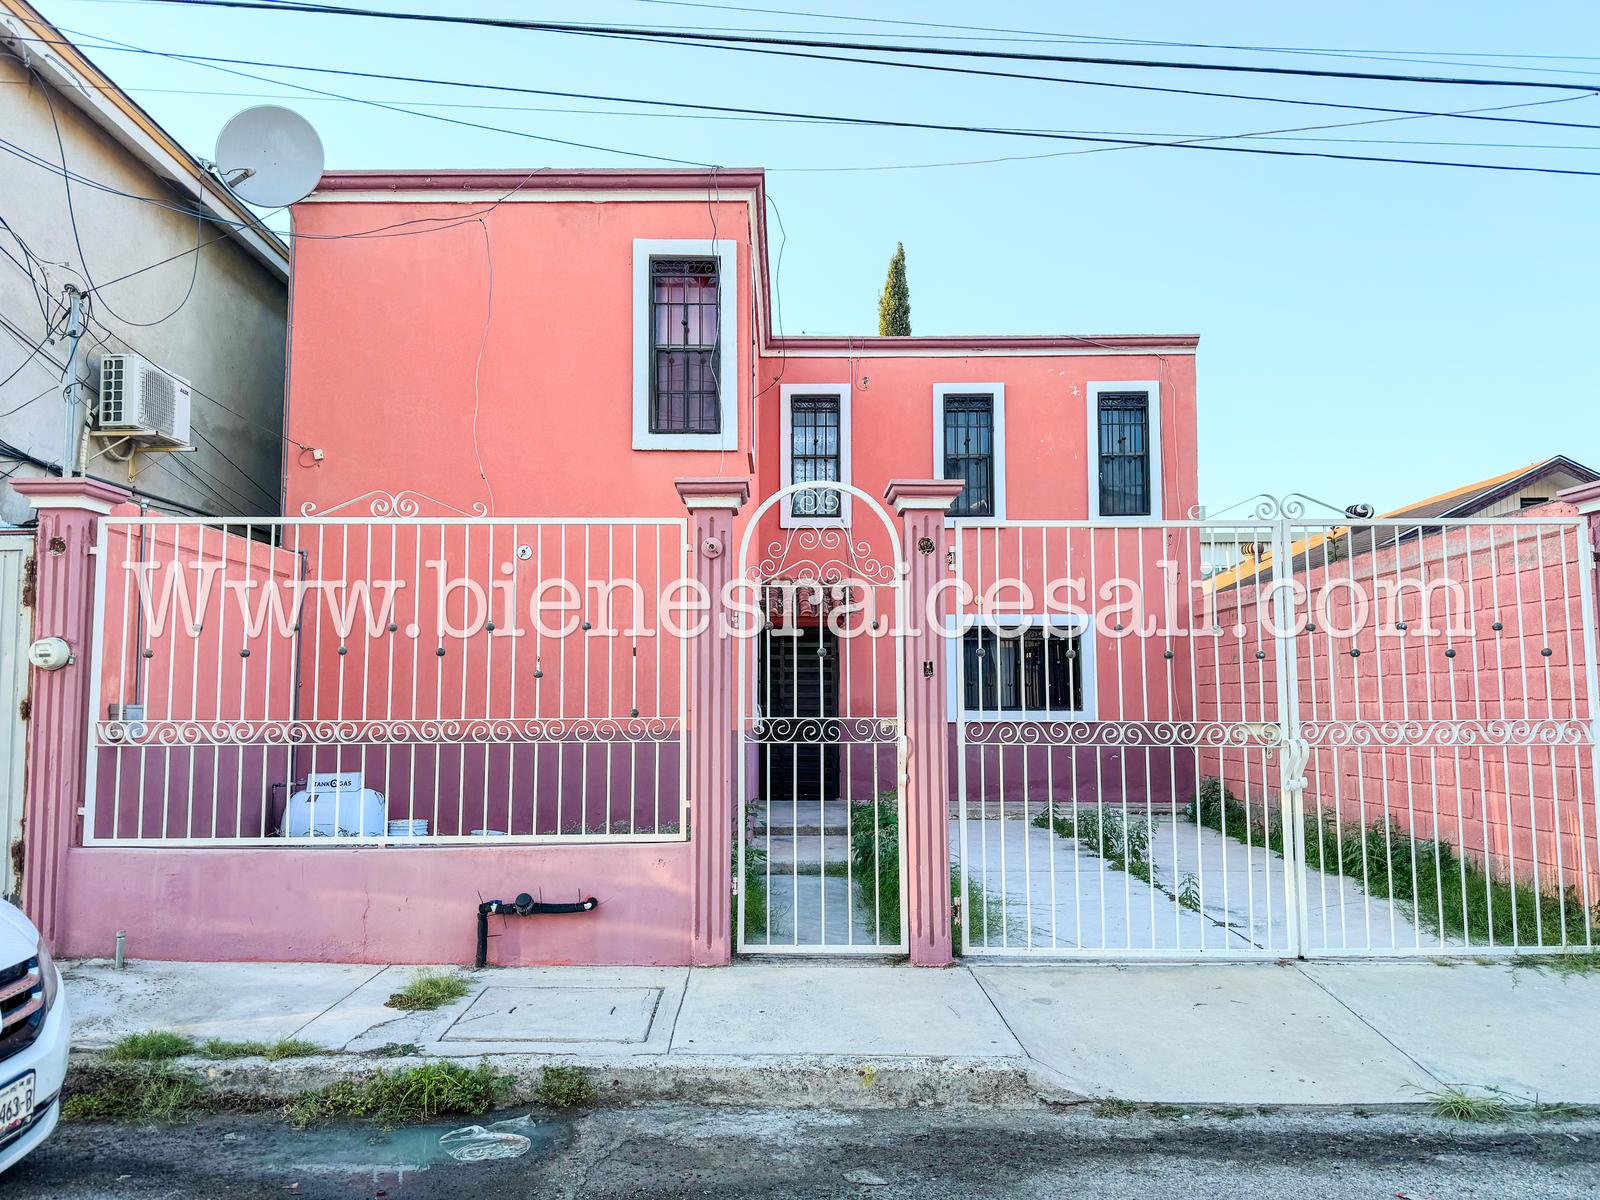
685,380
1124,425
685,317
816,448
969,432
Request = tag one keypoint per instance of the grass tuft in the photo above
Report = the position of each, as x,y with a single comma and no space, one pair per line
1570,962
136,1091
753,891
429,989
155,1046
564,1087
273,1051
393,1097
1456,1104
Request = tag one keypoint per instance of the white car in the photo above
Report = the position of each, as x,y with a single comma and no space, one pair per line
34,1031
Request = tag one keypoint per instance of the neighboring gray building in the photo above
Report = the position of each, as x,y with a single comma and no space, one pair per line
215,317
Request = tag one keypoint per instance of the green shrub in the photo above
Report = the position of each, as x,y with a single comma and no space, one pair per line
1104,831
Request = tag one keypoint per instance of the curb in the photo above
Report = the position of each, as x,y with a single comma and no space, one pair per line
788,1081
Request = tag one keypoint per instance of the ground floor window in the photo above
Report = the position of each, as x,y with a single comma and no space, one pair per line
1034,668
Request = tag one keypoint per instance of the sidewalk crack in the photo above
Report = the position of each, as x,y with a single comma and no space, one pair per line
1339,1000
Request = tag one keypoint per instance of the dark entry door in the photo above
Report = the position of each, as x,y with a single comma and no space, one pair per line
799,690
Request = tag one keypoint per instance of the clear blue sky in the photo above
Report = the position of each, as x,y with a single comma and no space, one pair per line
1369,332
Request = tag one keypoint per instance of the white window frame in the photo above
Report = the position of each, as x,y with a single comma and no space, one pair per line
788,392
727,253
957,628
998,392
1152,388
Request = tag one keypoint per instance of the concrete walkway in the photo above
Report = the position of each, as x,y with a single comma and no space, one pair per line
1237,1034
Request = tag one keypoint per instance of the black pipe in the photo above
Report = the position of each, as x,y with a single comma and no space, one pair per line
523,906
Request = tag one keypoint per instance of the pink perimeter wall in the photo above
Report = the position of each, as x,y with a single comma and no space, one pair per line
284,904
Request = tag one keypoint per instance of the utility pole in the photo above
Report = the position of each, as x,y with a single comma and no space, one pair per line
69,382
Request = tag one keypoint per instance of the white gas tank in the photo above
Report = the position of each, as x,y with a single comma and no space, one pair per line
336,806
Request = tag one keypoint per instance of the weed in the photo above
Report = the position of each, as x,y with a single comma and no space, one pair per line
1107,832
875,851
988,923
753,890
391,1097
1114,1106
1447,894
395,1050
1460,1105
1166,1112
429,989
280,1049
1569,962
564,1087
156,1046
1189,892
136,1091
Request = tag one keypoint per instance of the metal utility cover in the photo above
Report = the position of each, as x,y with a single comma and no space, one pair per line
557,1014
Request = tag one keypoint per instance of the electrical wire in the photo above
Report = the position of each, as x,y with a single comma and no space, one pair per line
1471,114
77,240
477,367
1005,132
759,40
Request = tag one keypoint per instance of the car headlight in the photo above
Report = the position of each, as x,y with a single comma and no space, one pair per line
48,973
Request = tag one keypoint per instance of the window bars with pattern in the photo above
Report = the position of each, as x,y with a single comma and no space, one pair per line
969,453
1124,454
1029,670
815,454
686,354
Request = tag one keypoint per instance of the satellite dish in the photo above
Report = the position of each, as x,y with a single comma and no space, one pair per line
269,156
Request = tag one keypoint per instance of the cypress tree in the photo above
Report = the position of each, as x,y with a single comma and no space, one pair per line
894,302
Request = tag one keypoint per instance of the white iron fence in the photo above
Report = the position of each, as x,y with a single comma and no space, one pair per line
386,679
1366,737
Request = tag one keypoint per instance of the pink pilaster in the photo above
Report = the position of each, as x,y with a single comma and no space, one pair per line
713,502
69,517
922,504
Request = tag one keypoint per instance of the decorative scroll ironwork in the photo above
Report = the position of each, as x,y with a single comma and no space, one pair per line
808,730
826,555
1553,731
404,503
1175,734
443,731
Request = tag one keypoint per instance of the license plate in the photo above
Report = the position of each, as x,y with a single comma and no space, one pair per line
16,1102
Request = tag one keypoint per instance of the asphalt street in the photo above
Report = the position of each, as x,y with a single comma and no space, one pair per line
672,1151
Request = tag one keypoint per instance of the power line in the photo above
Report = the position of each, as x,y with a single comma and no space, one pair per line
72,216
647,33
880,122
1249,97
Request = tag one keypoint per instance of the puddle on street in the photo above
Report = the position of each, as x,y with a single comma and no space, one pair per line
389,1155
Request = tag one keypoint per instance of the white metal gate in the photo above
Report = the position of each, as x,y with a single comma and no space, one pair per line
821,738
1275,736
15,630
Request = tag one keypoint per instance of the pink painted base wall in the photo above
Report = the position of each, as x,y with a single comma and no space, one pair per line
377,906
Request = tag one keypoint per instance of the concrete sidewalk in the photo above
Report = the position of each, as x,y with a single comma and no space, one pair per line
1335,1033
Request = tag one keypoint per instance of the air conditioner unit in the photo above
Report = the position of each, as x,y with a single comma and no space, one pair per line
140,399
